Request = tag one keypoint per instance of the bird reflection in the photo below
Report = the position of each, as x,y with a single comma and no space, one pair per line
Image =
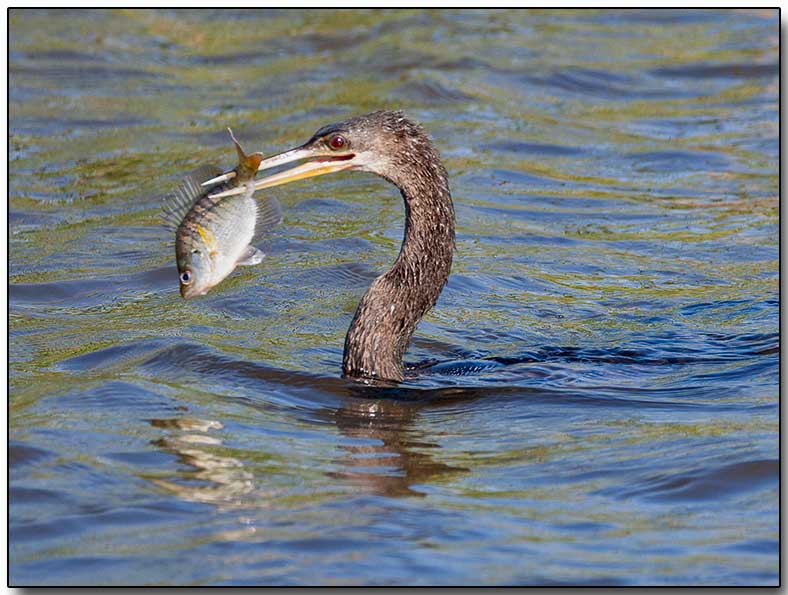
397,458
386,451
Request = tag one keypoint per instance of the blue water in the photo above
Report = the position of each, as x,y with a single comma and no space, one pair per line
593,400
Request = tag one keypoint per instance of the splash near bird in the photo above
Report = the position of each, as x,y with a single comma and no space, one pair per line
214,235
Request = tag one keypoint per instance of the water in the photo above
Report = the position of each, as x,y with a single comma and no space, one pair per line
603,408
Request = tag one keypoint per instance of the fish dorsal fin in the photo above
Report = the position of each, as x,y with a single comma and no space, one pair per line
178,202
238,148
247,164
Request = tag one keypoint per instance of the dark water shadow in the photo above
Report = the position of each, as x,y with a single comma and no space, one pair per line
75,293
696,71
703,484
534,375
184,359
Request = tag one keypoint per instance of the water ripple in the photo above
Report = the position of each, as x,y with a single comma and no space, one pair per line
594,400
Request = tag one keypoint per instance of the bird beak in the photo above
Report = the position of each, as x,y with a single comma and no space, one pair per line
318,165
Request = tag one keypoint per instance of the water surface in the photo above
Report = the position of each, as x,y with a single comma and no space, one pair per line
602,404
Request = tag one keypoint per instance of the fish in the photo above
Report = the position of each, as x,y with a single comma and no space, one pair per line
213,236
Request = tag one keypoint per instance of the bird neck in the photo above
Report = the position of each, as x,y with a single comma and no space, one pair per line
397,300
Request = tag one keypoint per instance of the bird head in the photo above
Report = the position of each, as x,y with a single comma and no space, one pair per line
382,143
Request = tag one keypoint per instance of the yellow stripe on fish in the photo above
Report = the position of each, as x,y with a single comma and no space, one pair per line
207,237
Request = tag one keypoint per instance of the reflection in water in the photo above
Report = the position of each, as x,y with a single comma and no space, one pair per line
396,457
393,458
215,479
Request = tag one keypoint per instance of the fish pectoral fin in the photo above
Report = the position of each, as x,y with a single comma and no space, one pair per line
250,257
269,214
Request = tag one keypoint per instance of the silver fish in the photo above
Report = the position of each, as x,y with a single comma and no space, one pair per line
214,235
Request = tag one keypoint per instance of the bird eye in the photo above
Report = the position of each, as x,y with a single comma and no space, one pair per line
186,277
338,142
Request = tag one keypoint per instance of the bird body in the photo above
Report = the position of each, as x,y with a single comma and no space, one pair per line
388,144
397,300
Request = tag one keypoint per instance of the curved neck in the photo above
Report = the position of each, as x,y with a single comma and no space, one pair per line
397,300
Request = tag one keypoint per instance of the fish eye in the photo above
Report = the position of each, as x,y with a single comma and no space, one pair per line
337,142
186,277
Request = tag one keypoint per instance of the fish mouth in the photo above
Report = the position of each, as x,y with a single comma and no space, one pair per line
316,164
188,292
